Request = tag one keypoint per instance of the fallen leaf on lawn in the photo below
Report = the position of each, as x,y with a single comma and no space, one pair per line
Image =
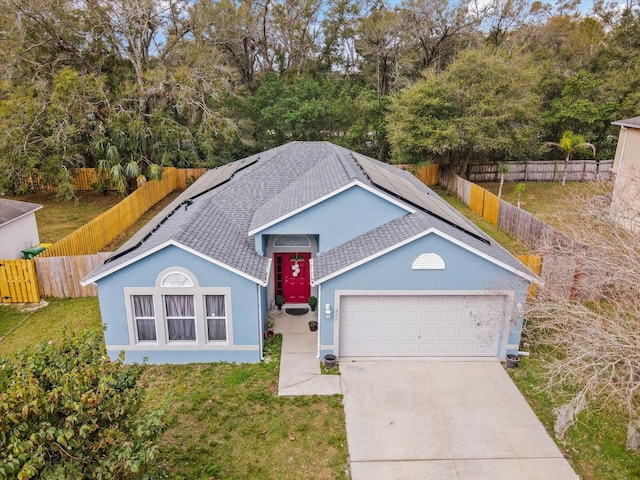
263,432
292,438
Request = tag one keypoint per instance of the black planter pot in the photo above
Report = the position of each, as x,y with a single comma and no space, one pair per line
313,325
329,361
512,360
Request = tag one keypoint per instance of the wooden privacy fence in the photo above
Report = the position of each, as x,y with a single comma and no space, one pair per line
94,236
86,179
58,270
549,171
60,276
557,271
428,174
18,282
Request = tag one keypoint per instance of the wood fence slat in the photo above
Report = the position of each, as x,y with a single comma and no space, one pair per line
491,208
428,174
476,200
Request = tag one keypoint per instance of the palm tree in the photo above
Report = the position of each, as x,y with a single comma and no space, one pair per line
569,143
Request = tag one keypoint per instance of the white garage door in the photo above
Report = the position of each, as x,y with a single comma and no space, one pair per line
443,325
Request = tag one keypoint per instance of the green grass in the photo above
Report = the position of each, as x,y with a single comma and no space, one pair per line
550,201
224,420
23,330
595,446
227,421
57,219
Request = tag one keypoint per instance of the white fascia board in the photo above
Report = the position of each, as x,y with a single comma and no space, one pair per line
355,183
420,235
87,281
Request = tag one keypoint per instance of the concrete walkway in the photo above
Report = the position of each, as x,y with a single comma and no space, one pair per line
299,364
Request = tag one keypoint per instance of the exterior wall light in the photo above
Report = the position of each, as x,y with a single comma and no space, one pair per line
327,310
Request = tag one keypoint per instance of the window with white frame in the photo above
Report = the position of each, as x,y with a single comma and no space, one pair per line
178,310
181,317
144,318
216,317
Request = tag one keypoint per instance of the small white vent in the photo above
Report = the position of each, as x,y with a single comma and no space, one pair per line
428,261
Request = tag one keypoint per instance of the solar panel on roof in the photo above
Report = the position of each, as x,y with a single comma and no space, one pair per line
210,180
404,189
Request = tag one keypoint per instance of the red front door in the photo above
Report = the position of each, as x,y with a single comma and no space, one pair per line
292,276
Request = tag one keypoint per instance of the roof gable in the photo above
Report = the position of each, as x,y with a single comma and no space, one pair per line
377,243
355,184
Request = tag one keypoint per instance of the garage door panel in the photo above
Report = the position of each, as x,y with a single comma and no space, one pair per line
455,325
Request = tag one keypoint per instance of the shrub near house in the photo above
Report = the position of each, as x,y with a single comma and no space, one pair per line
69,412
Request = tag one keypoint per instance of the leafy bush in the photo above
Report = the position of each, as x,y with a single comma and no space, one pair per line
67,411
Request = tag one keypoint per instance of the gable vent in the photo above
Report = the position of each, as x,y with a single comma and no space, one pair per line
428,261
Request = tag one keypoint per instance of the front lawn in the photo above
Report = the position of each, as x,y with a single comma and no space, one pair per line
225,421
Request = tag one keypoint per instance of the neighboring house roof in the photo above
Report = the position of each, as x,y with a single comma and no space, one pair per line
628,122
217,215
11,210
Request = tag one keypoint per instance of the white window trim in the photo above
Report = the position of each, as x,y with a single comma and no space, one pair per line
225,318
166,318
198,292
135,325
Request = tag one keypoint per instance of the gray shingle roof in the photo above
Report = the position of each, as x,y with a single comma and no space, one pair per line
11,210
261,189
633,122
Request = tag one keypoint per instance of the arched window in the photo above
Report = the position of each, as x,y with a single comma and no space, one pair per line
176,279
292,241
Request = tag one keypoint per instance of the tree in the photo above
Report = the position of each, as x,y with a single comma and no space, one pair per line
68,411
380,43
588,333
437,27
569,144
484,106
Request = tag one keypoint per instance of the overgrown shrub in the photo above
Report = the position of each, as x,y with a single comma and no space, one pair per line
67,411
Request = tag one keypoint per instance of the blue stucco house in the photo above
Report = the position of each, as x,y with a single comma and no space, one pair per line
396,270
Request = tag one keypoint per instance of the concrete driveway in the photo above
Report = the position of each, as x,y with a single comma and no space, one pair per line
450,420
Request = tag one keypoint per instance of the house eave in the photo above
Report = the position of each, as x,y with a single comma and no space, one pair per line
88,280
526,276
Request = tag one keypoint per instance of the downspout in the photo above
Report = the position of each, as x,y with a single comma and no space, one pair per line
318,311
260,329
